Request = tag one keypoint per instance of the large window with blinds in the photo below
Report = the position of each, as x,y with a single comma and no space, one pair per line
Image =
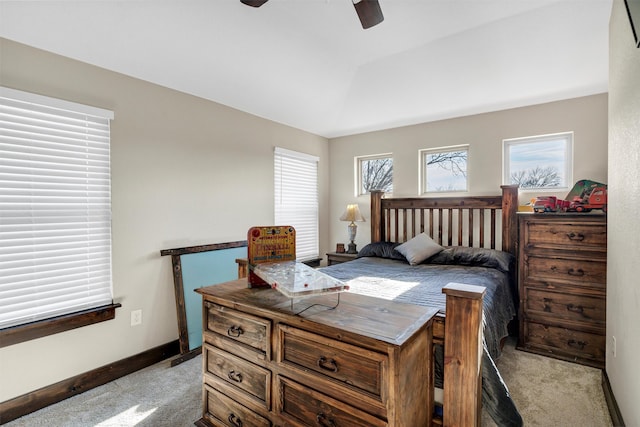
296,198
55,208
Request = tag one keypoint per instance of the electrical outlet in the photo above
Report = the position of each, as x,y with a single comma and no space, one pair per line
613,345
136,317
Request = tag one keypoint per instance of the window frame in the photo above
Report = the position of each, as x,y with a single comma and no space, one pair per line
423,175
568,161
26,104
358,172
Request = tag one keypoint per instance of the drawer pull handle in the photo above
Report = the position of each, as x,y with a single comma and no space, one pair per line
577,344
235,331
575,237
235,376
328,364
575,308
578,272
234,420
323,421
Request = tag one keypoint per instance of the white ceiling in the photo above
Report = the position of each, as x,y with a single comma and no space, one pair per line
309,64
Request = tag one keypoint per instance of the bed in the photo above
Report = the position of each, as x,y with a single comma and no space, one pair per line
473,240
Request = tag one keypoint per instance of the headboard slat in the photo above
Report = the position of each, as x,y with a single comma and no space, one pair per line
482,228
430,223
404,224
471,227
397,224
440,225
460,229
493,229
449,225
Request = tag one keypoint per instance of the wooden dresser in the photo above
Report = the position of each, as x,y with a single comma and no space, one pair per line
562,285
364,363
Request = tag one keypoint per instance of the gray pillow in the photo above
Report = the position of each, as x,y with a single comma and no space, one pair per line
419,248
381,250
475,257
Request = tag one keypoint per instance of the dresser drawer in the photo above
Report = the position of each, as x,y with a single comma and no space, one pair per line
332,359
251,379
299,405
240,327
222,410
576,235
573,345
579,272
568,306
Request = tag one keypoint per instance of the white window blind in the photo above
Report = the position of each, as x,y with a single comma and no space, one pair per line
296,198
55,208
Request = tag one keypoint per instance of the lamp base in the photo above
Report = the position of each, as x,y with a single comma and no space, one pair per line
352,248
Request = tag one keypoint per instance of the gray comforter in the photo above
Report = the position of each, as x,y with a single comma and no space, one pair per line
381,272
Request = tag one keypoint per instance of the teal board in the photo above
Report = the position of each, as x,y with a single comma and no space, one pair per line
205,269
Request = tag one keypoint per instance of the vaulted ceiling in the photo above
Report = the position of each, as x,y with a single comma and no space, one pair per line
310,64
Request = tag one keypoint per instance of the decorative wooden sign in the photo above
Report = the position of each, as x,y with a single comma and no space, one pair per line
269,244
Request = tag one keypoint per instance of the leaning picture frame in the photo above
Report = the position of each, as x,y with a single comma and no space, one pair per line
633,10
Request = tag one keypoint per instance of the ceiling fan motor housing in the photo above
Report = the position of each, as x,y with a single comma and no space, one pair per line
368,11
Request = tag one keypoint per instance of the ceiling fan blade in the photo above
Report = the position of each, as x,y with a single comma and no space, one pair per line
369,12
254,3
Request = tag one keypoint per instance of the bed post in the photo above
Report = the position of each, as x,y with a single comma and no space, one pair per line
376,216
462,403
509,218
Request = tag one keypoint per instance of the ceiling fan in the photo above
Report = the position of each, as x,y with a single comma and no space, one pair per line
368,11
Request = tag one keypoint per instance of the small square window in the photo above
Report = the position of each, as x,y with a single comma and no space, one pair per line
374,173
444,169
539,162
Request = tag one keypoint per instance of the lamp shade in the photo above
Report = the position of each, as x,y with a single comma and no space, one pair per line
352,213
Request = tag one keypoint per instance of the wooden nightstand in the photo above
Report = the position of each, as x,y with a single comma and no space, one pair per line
337,258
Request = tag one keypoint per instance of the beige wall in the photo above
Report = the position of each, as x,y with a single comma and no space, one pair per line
623,283
586,117
185,171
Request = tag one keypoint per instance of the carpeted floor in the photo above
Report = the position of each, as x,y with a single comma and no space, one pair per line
159,395
548,392
551,392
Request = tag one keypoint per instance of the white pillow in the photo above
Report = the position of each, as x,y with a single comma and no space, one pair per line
419,248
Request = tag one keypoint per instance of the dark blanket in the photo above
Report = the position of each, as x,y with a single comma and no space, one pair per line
382,273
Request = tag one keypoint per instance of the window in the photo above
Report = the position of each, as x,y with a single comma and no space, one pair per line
296,198
539,162
444,169
55,209
374,173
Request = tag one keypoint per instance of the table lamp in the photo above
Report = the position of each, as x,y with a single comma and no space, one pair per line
352,214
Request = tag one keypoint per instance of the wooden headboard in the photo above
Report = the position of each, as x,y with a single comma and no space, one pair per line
451,221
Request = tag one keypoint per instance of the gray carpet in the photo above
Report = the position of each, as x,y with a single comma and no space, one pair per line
548,392
155,396
551,392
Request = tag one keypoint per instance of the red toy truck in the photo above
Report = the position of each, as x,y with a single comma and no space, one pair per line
550,204
595,198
